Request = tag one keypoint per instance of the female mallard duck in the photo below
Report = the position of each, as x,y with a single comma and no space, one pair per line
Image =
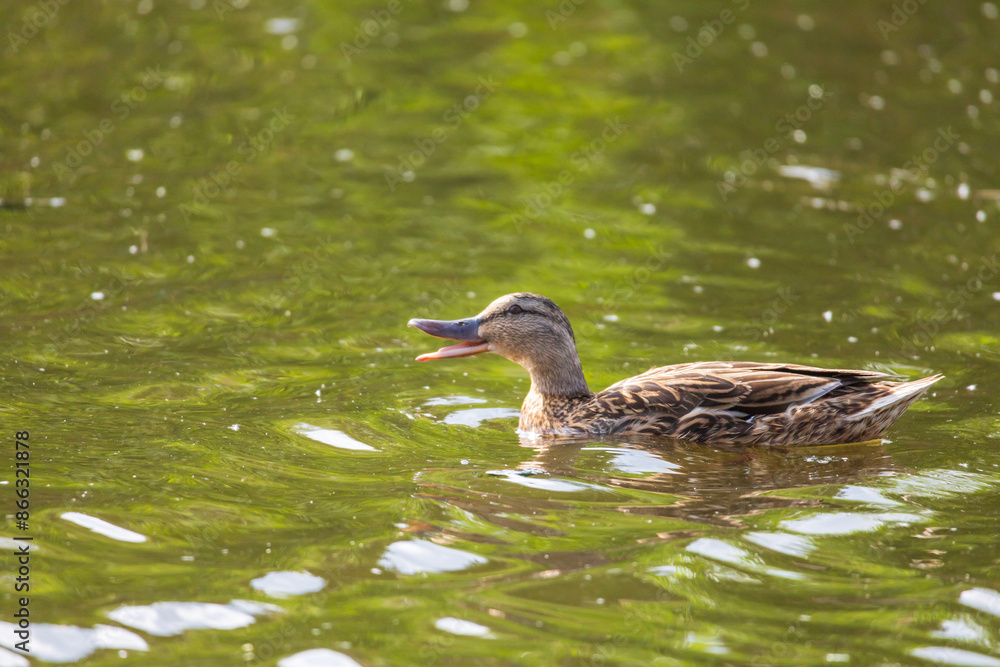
711,402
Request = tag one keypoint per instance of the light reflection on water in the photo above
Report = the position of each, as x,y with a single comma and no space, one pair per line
319,657
475,416
333,437
103,527
786,543
842,523
982,599
457,626
68,643
285,584
421,556
172,618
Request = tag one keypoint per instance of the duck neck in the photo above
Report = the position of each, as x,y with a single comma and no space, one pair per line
556,391
560,380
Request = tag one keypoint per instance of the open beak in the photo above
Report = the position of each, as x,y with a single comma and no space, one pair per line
466,331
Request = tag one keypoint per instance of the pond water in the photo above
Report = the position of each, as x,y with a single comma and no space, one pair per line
218,215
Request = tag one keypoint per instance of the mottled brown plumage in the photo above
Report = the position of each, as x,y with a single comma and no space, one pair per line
712,402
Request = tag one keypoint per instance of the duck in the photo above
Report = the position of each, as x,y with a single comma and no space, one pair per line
710,402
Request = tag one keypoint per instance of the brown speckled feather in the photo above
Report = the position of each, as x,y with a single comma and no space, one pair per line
745,402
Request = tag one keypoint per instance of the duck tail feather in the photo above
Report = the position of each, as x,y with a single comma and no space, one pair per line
903,392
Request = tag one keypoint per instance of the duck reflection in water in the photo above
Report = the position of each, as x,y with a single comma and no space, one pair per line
718,485
705,485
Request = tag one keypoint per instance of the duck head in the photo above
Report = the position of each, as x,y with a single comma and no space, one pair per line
526,328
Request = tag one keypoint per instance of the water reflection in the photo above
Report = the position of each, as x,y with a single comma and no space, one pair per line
843,523
68,643
421,556
716,485
457,626
944,655
785,543
867,495
453,400
664,500
319,657
536,478
332,437
285,584
476,416
172,618
102,527
9,658
982,599
962,629
604,524
818,177
728,553
638,461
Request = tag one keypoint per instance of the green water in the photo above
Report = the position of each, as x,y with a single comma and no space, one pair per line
218,216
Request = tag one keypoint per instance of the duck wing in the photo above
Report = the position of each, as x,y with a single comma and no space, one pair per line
714,396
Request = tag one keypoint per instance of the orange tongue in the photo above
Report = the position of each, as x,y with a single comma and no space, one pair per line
463,349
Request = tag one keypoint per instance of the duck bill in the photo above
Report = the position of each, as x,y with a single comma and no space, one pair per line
466,331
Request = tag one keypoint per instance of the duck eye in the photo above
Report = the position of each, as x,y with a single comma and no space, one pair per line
514,310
